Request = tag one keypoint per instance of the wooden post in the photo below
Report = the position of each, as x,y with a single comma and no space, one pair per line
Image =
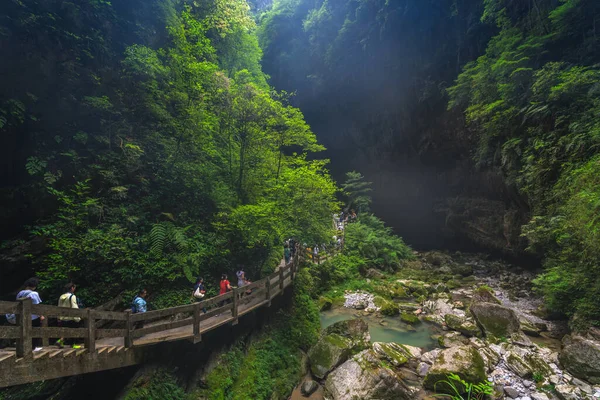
90,325
129,327
234,310
24,323
268,290
197,336
281,278
44,324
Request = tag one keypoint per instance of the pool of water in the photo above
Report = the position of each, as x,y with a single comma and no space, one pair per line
394,331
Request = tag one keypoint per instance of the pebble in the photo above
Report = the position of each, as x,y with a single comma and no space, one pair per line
510,392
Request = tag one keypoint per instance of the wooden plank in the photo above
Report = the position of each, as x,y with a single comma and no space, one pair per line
10,332
90,326
110,333
254,307
110,315
53,332
7,356
54,311
44,324
69,353
196,328
234,309
55,353
41,355
24,323
8,307
215,300
254,284
166,312
162,327
214,312
129,327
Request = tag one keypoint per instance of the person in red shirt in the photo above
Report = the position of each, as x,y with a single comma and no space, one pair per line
224,285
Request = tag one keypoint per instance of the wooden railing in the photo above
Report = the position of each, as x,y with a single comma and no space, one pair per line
263,291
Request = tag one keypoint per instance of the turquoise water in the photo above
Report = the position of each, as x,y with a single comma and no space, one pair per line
395,331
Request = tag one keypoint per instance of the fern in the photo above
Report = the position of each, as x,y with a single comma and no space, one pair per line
158,238
463,390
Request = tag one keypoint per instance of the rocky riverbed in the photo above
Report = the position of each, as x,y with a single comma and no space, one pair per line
491,329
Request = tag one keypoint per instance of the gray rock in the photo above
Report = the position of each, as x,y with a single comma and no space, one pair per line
567,392
581,357
528,384
495,320
364,376
539,396
462,325
510,392
396,354
336,344
464,361
308,388
422,369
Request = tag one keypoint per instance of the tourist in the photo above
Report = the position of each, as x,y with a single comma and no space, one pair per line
68,300
29,292
292,247
138,305
199,291
287,254
316,254
224,287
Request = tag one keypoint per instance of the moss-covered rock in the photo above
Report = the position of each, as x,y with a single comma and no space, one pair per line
336,344
495,320
529,328
410,318
484,294
396,354
386,307
581,357
366,376
464,361
325,303
462,325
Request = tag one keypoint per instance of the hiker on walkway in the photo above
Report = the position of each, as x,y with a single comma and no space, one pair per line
292,243
287,254
68,300
199,291
316,254
29,292
138,305
224,287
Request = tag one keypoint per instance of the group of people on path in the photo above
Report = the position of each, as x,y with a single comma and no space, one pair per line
67,300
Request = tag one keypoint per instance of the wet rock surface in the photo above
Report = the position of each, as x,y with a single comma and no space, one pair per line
490,329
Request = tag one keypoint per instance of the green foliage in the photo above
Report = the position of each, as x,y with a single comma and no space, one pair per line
156,151
269,366
533,102
357,191
462,390
160,384
371,240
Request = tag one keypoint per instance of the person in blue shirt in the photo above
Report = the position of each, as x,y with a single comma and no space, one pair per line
199,286
138,305
29,292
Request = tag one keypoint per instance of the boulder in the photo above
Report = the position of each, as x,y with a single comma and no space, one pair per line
464,361
581,357
462,325
484,294
410,318
452,339
365,376
336,344
325,303
567,392
529,328
396,354
308,388
386,307
525,363
495,320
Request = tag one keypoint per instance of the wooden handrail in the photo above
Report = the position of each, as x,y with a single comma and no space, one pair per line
264,289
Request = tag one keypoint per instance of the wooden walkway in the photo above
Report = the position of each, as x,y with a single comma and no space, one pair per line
119,344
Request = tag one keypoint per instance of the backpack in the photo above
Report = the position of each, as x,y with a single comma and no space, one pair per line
78,300
133,305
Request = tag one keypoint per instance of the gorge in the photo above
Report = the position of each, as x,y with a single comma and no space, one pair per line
146,143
